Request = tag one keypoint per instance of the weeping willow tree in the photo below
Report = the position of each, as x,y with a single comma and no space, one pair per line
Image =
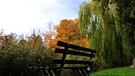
109,26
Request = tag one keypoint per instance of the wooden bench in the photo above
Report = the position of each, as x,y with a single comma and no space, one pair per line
81,66
69,49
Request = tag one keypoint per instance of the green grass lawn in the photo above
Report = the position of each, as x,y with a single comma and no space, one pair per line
124,71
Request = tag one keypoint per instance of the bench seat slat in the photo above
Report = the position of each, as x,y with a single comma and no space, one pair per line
55,68
75,67
59,61
71,52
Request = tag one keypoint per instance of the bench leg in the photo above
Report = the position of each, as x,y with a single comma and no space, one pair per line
84,72
58,72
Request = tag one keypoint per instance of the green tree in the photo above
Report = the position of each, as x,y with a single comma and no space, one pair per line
109,33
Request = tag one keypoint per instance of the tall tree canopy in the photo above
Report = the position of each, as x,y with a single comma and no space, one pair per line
68,31
110,27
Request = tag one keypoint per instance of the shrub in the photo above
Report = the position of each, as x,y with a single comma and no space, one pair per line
17,57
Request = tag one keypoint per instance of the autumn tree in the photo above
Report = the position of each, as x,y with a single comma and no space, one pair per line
49,34
1,33
35,40
7,41
68,31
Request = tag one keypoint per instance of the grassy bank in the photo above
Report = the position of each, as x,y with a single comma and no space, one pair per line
124,71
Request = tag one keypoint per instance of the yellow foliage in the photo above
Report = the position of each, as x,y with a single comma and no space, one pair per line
68,31
85,43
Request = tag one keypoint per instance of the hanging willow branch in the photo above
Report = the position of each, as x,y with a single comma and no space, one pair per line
106,22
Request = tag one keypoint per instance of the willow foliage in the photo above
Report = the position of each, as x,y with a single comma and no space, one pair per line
102,21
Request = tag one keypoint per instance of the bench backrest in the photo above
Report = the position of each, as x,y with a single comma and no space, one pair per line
70,49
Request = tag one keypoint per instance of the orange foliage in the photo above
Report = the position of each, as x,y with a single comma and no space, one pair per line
68,31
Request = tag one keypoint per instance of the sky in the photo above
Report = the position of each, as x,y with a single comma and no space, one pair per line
22,16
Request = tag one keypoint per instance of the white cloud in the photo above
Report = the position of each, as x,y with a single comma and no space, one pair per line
22,16
19,15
